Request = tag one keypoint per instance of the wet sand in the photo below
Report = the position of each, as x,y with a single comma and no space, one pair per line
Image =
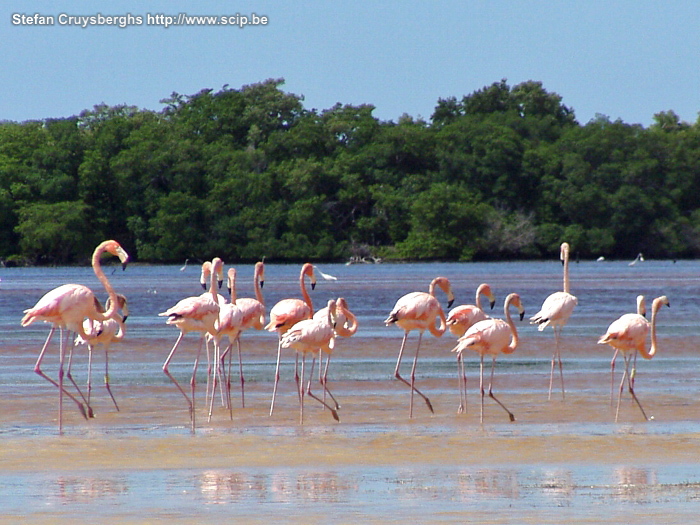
560,461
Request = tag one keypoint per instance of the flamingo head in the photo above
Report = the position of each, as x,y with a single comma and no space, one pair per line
115,249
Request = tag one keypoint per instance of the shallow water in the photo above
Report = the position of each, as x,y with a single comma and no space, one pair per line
560,461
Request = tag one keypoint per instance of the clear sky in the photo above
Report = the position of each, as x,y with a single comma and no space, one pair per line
623,59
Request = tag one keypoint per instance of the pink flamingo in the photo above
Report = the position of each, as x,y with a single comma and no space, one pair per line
628,334
459,320
253,312
492,337
66,307
285,314
105,333
194,314
419,311
229,324
555,311
310,336
345,326
641,310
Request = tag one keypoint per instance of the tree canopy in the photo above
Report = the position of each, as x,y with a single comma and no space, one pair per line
505,172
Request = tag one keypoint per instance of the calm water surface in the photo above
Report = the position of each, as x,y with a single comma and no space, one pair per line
556,492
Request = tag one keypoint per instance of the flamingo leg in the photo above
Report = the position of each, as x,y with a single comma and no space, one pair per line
68,374
556,358
313,396
277,373
462,379
240,371
411,384
209,390
39,371
301,390
612,375
324,382
630,384
109,390
193,381
481,386
89,375
493,368
216,378
190,402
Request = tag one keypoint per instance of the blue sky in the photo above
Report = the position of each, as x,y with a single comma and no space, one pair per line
623,59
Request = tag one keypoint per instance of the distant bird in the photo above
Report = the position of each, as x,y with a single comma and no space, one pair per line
308,337
639,258
194,314
641,310
459,320
600,259
66,307
326,276
285,314
492,337
419,311
628,334
185,265
105,333
253,311
555,311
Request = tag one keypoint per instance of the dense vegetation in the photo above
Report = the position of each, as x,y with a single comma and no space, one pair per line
506,172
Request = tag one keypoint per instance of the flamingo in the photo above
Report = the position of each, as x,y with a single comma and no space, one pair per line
459,320
204,279
555,311
229,324
309,336
253,312
641,310
491,336
638,258
418,311
105,333
285,314
194,314
628,335
66,307
345,326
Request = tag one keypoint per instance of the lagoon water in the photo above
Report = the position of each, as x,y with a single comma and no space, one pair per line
561,461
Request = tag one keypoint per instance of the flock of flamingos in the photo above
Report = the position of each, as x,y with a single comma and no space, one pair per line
74,308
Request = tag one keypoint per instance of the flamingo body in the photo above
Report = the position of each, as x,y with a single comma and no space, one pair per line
461,317
419,311
308,337
492,337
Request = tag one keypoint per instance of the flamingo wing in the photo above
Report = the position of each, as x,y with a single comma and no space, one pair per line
556,310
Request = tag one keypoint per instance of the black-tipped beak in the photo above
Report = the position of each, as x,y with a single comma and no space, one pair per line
449,303
204,286
124,318
492,303
221,282
522,314
262,283
229,290
313,286
124,266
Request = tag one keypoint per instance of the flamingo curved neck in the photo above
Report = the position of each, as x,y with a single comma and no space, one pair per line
652,349
256,282
97,268
514,331
565,259
304,293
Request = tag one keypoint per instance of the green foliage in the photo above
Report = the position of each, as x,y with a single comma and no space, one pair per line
504,172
